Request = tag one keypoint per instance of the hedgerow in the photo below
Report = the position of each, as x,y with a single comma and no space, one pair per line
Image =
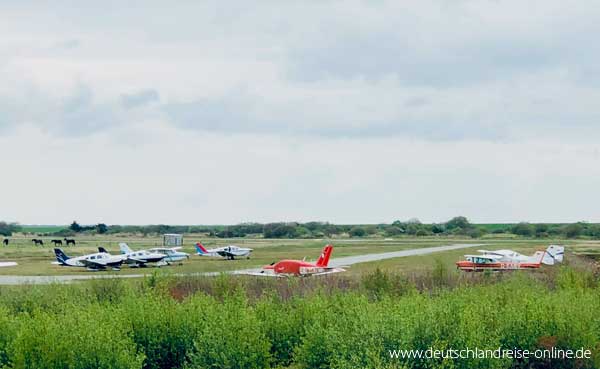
129,324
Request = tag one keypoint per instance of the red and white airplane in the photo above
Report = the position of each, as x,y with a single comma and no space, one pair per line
510,260
301,267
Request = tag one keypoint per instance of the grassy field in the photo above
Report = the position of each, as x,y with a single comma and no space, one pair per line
34,228
37,260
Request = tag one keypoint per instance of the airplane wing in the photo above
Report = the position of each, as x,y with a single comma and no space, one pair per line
227,254
260,273
269,273
92,264
137,261
331,271
487,252
96,265
159,249
491,257
487,257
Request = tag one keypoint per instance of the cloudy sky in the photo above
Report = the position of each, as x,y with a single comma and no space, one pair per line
194,112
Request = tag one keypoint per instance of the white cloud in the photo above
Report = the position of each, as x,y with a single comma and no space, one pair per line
351,112
155,173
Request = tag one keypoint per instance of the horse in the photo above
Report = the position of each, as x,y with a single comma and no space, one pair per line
70,241
5,242
38,242
56,242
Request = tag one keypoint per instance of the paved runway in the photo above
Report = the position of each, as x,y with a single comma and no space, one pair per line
344,261
349,260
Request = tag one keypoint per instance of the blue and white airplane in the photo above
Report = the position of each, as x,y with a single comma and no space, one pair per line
169,255
137,259
93,262
230,252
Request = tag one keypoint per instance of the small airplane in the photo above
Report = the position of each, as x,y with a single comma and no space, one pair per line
511,260
230,252
300,267
137,258
172,255
93,262
7,264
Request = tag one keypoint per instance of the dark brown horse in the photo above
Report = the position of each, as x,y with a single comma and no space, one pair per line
57,242
5,242
38,242
70,241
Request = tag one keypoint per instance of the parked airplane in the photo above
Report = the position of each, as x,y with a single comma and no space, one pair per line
168,255
301,267
97,261
510,260
230,252
137,258
172,255
7,264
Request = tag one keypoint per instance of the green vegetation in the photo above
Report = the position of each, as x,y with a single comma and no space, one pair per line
457,226
7,229
334,322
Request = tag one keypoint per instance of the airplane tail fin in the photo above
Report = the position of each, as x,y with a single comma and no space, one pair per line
324,258
554,254
102,249
201,249
61,256
124,248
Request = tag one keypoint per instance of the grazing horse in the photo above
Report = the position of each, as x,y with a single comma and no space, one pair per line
56,242
70,241
5,242
38,242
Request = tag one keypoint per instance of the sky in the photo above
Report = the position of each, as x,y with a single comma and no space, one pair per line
221,112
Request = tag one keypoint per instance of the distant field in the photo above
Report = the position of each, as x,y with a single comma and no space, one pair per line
42,228
490,227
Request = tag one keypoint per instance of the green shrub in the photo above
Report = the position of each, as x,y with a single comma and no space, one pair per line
231,336
162,329
7,333
116,325
82,339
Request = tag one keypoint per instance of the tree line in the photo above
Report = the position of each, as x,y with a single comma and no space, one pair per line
457,226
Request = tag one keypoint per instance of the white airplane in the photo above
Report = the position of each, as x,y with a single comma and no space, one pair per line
172,254
7,264
169,255
554,253
509,259
137,258
230,252
93,262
